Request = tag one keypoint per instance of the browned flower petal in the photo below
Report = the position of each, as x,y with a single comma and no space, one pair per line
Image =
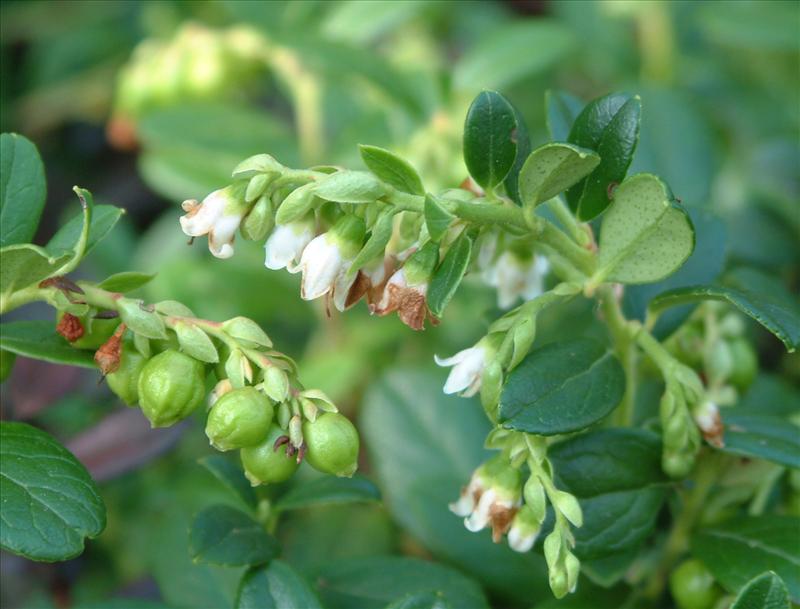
70,327
108,355
359,288
412,308
500,518
714,434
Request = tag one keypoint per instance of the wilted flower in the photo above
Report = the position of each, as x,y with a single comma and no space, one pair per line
218,216
492,497
468,366
524,530
286,244
406,290
517,278
326,259
707,417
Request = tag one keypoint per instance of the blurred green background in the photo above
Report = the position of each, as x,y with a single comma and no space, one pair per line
150,103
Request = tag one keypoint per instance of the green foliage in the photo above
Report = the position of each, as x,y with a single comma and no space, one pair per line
767,591
22,189
222,535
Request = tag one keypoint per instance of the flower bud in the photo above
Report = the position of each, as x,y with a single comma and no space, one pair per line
297,204
491,387
568,505
332,444
171,386
238,419
535,499
524,530
125,380
265,463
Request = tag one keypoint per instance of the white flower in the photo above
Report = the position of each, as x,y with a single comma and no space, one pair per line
468,365
707,417
515,278
325,270
408,300
218,216
524,530
285,245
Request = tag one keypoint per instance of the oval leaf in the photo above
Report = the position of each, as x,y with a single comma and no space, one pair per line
25,264
448,276
551,169
490,147
645,236
126,281
329,490
50,503
351,187
196,343
437,218
23,189
141,321
562,387
742,548
392,169
276,586
222,535
767,591
760,435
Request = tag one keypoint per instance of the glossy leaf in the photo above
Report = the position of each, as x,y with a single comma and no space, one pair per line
551,169
392,169
275,586
437,218
23,189
490,148
127,281
50,504
616,476
25,264
327,491
740,549
231,476
609,125
448,276
38,340
374,582
222,535
522,140
562,387
645,236
512,52
762,436
103,220
702,267
418,479
767,591
773,310
562,110
350,187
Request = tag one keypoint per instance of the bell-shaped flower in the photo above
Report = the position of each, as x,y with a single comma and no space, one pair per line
218,216
468,366
327,258
492,497
516,277
406,290
524,530
285,245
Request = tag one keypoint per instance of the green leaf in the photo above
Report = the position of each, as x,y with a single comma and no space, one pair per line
50,503
767,591
25,264
103,220
490,147
141,320
772,309
609,570
522,140
127,281
375,245
645,236
364,22
392,169
351,187
616,476
418,479
421,600
703,266
38,340
448,276
231,476
762,436
740,549
275,586
562,387
196,343
373,582
437,218
562,110
222,535
328,490
512,52
23,189
551,169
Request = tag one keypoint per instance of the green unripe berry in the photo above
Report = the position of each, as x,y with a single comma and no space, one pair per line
263,464
745,364
331,444
125,380
6,364
238,419
171,386
692,586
